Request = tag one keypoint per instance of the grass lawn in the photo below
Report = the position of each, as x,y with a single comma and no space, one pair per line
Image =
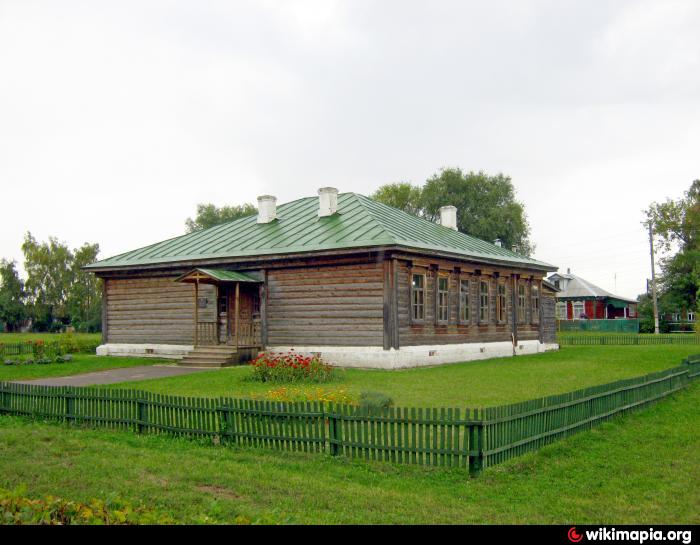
82,363
471,384
640,469
46,337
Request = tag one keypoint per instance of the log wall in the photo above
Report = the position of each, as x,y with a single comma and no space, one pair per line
154,310
333,305
429,332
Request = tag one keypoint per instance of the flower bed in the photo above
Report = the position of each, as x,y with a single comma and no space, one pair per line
290,367
295,394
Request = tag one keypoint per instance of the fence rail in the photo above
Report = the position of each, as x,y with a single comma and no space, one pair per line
568,339
446,437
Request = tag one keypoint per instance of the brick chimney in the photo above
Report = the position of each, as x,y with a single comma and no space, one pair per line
267,208
448,217
327,201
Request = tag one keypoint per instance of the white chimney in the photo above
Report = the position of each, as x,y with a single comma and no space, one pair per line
498,243
448,217
267,208
327,201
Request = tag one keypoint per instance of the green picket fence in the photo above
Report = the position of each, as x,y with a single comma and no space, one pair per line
568,339
630,325
446,437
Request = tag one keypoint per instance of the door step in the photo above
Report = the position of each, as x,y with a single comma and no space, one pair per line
211,356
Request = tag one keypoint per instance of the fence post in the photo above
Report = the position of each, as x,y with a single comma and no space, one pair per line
476,446
3,398
333,429
224,418
142,422
69,398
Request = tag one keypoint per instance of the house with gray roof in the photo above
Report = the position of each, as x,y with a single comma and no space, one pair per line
579,299
341,275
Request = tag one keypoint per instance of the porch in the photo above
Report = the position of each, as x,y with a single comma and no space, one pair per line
235,332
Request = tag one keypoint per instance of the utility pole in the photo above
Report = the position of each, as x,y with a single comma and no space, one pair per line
653,280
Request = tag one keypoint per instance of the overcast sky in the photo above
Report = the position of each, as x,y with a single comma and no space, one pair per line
116,118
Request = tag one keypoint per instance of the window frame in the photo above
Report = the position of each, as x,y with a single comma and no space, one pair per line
559,305
440,294
535,302
422,290
501,302
482,283
522,302
574,306
464,303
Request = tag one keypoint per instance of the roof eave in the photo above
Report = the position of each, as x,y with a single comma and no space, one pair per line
194,263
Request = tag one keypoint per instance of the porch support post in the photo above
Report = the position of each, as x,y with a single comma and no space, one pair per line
235,316
196,311
263,311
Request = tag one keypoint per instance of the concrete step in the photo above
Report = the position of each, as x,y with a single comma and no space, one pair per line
211,356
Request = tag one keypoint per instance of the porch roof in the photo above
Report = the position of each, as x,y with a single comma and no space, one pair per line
217,275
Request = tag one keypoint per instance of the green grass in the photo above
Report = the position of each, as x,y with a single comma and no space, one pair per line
471,384
82,363
640,469
46,337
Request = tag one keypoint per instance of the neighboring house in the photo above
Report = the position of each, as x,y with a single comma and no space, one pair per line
681,320
578,299
359,282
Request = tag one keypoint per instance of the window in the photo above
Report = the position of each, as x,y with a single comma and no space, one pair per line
483,301
521,303
691,316
561,311
578,309
535,302
418,297
464,301
443,309
501,303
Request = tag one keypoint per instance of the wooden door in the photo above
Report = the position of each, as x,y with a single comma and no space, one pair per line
248,322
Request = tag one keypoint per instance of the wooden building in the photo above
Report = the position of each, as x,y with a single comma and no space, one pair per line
579,299
359,282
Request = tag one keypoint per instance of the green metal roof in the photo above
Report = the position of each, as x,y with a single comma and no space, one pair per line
222,275
359,222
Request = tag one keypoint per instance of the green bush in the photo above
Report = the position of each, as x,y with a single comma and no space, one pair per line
374,402
17,508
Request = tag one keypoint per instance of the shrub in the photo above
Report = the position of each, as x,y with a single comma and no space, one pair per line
290,367
374,402
16,508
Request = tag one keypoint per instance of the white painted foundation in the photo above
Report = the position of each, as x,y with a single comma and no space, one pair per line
364,357
170,351
371,357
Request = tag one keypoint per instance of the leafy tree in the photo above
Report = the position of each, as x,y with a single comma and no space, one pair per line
84,299
58,290
486,205
209,215
403,195
676,229
12,307
49,272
